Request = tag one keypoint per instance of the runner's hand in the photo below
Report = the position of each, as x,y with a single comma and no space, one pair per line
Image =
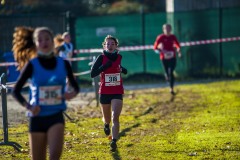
179,54
107,65
70,95
157,51
35,110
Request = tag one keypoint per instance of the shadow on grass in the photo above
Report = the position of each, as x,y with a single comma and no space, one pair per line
150,109
116,155
123,133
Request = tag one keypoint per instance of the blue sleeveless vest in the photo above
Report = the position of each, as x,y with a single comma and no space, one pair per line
47,87
68,49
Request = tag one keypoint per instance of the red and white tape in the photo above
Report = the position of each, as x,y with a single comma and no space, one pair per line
136,48
148,47
70,59
8,64
79,58
193,43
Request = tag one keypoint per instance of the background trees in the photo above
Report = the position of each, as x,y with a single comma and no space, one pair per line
80,7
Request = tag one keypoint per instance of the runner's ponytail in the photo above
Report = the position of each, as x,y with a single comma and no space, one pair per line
23,45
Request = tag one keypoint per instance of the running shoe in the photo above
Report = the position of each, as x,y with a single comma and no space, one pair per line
172,92
106,129
113,146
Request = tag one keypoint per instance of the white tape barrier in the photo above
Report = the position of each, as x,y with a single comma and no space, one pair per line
135,48
8,64
192,43
148,47
70,59
79,58
11,84
82,73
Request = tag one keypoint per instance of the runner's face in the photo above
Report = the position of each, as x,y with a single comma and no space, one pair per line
110,45
67,38
44,42
167,29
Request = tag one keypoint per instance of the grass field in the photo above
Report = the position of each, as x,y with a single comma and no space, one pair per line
202,121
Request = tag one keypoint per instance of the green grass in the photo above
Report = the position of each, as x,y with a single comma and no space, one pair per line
201,122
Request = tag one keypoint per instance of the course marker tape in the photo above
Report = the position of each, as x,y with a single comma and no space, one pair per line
148,47
136,48
70,59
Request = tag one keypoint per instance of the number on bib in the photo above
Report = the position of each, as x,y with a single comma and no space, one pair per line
112,79
50,95
168,54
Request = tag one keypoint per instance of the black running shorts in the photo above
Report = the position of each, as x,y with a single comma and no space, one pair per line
43,123
107,98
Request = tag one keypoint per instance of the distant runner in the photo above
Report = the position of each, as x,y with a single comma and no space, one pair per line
166,44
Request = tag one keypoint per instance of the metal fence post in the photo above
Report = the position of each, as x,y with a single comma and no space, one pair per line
95,84
3,89
96,88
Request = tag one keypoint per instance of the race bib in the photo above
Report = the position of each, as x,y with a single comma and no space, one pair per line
50,95
112,79
168,54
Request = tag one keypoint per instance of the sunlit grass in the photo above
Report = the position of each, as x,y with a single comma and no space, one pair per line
201,122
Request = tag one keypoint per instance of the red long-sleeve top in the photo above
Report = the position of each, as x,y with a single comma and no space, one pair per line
168,42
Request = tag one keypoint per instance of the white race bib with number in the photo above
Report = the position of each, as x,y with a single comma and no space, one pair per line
168,54
112,79
50,95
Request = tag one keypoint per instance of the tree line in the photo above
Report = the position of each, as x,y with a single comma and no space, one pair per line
81,7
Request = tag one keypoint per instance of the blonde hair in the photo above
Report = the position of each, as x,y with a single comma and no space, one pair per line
65,34
58,41
42,29
24,48
110,37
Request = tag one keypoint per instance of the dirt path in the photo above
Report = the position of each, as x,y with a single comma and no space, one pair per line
17,113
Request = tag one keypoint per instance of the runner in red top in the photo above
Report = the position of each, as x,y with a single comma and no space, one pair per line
111,80
166,44
108,65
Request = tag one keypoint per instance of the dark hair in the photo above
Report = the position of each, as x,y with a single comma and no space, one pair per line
166,24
